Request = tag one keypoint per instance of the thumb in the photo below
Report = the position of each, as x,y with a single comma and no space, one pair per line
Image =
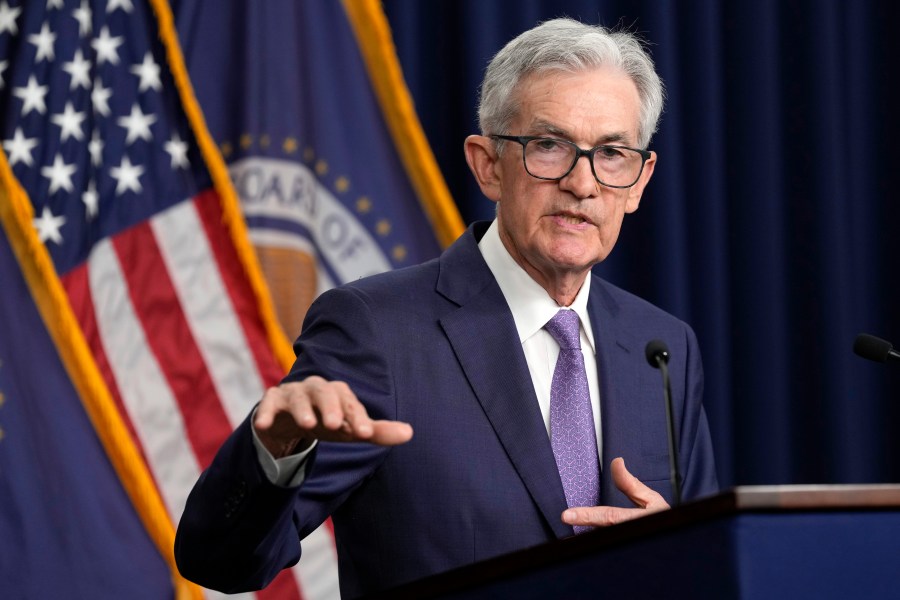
634,488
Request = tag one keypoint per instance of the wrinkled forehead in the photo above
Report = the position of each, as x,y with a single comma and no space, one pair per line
590,103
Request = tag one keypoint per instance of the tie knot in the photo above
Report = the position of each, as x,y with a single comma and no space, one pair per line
565,330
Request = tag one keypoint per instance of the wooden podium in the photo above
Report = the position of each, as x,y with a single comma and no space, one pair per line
746,543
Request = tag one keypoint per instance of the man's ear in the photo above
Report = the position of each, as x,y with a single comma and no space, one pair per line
481,155
637,190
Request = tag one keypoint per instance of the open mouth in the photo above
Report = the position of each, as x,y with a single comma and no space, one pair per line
567,218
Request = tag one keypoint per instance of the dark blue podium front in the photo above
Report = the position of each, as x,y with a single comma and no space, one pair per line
747,543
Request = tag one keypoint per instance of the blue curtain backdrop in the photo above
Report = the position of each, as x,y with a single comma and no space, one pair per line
769,222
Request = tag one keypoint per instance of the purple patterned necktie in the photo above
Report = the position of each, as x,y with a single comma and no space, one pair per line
572,433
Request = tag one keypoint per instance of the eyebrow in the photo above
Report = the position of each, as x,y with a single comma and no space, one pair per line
545,127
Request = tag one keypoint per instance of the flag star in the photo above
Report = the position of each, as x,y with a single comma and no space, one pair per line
177,149
137,124
18,149
95,147
83,15
106,47
69,122
8,18
59,174
127,177
3,65
123,4
80,71
148,71
48,225
91,200
32,96
54,4
100,98
43,41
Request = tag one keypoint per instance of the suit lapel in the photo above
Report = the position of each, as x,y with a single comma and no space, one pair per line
484,338
617,360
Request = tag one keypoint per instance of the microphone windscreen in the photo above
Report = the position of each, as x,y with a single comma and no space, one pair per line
655,351
871,347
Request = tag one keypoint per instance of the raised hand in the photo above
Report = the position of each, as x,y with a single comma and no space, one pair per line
291,416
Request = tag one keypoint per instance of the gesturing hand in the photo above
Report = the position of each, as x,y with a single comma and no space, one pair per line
292,415
647,500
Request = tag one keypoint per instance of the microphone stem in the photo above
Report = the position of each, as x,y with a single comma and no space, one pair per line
670,422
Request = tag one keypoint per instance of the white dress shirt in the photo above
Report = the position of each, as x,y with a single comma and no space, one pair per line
531,308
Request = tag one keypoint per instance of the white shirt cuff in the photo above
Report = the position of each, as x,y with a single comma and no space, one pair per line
285,472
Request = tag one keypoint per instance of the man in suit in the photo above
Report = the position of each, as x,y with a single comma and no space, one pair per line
436,413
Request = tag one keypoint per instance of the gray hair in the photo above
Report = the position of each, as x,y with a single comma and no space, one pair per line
568,45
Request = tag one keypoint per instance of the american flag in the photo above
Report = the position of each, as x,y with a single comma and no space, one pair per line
98,129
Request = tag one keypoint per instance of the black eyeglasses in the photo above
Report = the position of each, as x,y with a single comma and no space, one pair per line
552,159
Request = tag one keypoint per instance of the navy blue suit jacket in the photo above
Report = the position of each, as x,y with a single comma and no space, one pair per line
436,346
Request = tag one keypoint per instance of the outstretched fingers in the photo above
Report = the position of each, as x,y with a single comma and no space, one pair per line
647,501
292,415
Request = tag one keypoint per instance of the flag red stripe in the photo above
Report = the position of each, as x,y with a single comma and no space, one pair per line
241,294
78,290
170,338
283,587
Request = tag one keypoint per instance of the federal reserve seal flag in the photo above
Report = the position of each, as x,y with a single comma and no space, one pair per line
308,106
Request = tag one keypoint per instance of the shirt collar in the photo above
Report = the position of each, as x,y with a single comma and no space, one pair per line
530,304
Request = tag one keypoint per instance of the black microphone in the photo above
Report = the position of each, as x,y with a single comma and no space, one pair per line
658,356
874,348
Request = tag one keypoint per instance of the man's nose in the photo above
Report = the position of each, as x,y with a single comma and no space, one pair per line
581,181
